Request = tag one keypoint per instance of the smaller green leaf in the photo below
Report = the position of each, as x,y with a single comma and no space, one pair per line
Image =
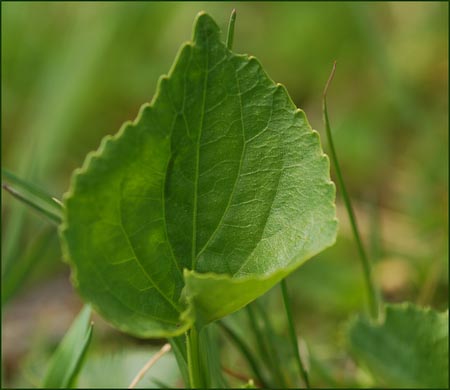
68,358
32,196
409,349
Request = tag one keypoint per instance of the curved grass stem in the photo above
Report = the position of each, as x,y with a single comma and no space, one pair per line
371,291
292,334
165,348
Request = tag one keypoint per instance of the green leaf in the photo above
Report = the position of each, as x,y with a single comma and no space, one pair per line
216,192
32,196
409,349
68,357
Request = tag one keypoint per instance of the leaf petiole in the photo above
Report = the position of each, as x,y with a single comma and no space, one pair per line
193,359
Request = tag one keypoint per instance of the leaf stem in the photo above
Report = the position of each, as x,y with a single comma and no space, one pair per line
371,291
292,334
230,34
195,375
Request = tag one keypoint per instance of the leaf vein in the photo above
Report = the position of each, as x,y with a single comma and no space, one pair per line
138,261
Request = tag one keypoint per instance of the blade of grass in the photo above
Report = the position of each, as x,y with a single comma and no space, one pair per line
371,291
210,358
292,334
32,196
245,351
179,349
68,358
258,336
266,341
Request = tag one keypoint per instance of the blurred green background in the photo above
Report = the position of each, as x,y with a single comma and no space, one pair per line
74,72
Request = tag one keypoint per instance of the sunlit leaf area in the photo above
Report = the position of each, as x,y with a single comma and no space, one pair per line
169,217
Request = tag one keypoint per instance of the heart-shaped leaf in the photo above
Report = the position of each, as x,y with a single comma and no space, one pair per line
217,191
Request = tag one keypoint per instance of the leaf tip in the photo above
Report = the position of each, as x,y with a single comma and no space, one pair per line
204,28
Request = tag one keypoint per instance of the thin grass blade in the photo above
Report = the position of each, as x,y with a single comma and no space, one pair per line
266,342
292,334
32,196
373,298
210,357
179,350
69,357
240,344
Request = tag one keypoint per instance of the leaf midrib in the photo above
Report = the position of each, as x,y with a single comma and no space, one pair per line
211,237
197,166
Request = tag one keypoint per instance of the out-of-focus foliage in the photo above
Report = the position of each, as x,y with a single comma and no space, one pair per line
409,349
74,72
